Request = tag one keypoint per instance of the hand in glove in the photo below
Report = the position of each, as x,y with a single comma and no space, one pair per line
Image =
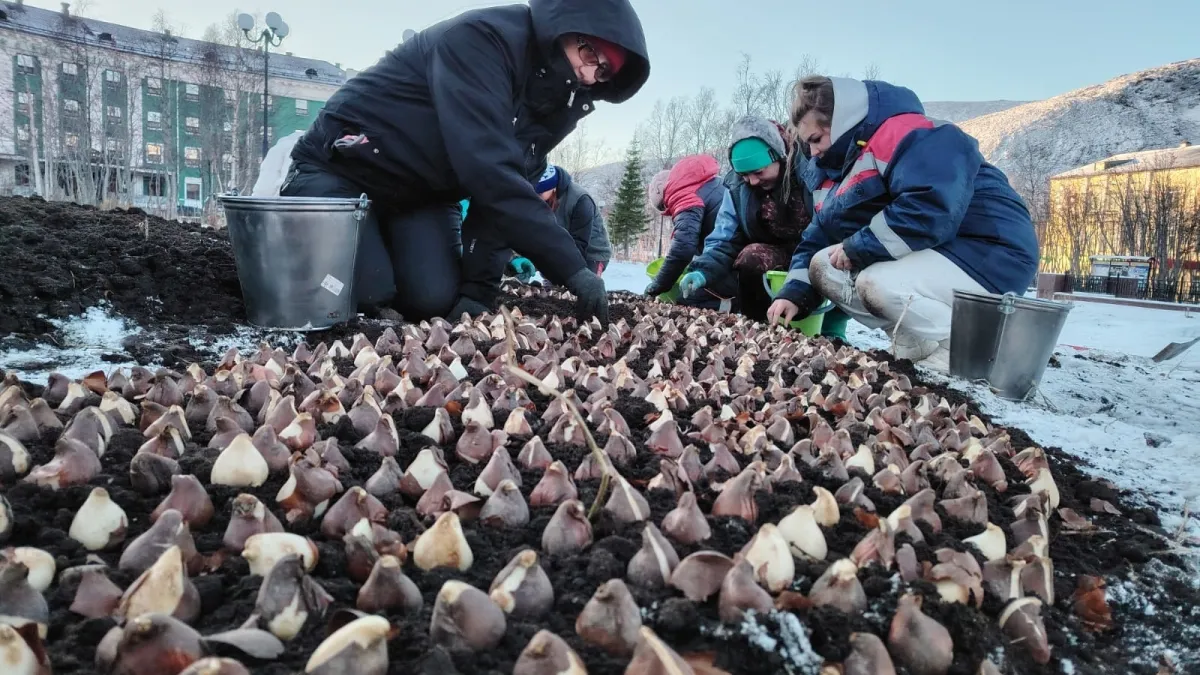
465,305
655,288
692,282
591,297
523,269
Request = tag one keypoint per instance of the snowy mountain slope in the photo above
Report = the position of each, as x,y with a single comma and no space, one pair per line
961,111
1155,108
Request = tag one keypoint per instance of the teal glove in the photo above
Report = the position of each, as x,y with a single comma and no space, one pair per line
691,282
523,269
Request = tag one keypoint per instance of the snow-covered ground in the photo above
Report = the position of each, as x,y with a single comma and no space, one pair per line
1133,421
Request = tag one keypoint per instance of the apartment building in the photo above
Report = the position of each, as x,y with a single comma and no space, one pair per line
101,113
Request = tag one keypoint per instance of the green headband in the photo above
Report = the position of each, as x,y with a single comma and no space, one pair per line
751,154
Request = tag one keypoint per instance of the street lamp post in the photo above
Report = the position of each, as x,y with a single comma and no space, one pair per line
271,36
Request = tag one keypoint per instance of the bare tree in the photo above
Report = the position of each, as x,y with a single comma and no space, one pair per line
1030,175
580,151
702,124
872,71
662,135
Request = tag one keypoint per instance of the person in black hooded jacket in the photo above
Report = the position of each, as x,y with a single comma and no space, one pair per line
469,107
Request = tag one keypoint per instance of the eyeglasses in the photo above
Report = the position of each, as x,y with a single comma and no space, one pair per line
590,57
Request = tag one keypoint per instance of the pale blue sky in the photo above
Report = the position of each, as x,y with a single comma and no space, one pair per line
942,49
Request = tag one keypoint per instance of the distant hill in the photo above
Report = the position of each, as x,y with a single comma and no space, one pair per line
1155,108
961,111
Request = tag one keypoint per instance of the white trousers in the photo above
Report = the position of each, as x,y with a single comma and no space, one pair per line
923,282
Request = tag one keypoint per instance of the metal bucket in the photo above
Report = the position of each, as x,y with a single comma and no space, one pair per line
295,258
1004,340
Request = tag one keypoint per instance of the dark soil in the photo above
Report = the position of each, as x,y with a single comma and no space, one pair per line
1122,546
60,259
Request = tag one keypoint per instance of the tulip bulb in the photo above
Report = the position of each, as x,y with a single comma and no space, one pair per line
215,666
74,464
163,588
825,509
96,597
20,603
522,588
534,454
22,651
264,551
918,642
653,564
868,656
555,487
1043,482
301,433
803,534
40,565
168,531
288,597
655,657
626,504
386,481
568,531
499,469
770,556
1022,622
250,517
699,575
353,506
686,523
505,507
548,654
387,589
6,519
466,619
151,475
740,592
991,542
443,545
99,523
359,647
384,440
423,471
611,619
839,588
240,465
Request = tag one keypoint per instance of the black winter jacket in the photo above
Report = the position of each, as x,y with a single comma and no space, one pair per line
470,107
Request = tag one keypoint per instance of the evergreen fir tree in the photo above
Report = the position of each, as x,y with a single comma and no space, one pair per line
628,219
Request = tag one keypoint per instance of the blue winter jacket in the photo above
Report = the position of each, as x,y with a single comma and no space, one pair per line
899,182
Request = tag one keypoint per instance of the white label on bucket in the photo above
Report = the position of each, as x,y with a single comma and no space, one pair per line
331,284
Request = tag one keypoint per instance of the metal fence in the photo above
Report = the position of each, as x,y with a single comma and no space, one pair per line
1140,289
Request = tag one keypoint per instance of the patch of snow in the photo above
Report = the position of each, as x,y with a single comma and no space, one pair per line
1068,668
1108,402
797,650
626,276
1139,594
85,339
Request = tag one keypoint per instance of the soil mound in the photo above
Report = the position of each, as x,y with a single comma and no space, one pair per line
61,258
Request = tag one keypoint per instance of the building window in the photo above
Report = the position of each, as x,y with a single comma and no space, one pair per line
25,62
154,186
112,76
23,134
70,69
153,86
21,175
23,97
112,145
115,112
193,124
71,106
301,107
153,120
191,156
191,189
154,153
192,92
230,96
227,126
71,140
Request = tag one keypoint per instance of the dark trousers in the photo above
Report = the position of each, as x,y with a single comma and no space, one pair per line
406,259
753,296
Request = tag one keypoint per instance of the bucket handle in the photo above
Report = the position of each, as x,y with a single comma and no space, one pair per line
1008,303
767,286
364,203
824,307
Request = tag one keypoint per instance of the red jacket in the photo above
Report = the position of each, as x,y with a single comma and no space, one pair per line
685,180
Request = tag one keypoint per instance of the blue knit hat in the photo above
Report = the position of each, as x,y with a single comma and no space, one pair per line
549,179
